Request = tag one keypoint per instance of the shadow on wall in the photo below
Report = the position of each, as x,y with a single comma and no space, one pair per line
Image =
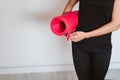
46,12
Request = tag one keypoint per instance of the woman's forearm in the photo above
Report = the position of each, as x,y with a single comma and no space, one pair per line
111,26
107,28
102,30
69,6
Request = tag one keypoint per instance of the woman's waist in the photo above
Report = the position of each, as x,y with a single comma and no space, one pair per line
89,25
98,42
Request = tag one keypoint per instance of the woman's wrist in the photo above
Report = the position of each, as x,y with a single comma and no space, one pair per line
64,12
88,35
67,10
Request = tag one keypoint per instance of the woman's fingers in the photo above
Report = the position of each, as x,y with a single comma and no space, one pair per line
78,36
73,34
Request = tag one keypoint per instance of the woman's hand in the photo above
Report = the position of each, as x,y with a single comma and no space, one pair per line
102,30
78,36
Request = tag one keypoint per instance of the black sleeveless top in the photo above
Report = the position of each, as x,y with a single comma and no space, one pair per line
92,15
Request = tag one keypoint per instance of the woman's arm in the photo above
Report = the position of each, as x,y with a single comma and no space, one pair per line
110,27
69,6
107,28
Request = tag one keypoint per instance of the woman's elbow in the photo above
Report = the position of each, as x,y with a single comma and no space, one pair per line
116,24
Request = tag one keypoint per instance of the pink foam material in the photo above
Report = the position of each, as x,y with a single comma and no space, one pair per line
64,24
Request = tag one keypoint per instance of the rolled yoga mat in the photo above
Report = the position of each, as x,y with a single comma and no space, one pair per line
65,24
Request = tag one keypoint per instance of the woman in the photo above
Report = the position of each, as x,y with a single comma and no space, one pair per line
91,42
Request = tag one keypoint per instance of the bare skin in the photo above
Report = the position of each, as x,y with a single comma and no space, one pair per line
113,25
69,6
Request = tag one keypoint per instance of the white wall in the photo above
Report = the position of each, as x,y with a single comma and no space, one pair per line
28,45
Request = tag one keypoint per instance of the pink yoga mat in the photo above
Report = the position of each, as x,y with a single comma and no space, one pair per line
64,24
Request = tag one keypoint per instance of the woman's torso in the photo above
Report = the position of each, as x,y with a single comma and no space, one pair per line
92,15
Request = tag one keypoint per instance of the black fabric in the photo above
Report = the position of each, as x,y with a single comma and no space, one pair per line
90,64
92,56
92,15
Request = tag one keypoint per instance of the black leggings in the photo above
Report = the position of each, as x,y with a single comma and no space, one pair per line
90,64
